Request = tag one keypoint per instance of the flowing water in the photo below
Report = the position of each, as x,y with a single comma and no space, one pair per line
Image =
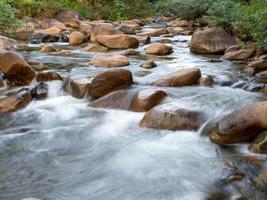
59,148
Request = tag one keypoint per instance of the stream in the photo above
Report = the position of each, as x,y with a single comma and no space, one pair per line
59,148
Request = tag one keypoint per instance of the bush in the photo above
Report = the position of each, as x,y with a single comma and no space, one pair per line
185,9
246,20
8,20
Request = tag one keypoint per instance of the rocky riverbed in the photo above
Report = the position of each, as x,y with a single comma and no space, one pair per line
131,110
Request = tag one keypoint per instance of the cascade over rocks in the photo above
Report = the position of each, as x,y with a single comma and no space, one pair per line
171,117
242,125
182,77
118,41
109,81
40,91
77,86
211,41
159,49
15,68
137,101
147,99
109,61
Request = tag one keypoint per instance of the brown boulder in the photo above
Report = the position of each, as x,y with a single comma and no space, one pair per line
180,23
7,43
15,68
182,77
109,81
95,48
53,30
120,99
242,125
103,29
155,33
15,102
76,38
211,40
143,39
159,49
241,54
48,49
147,99
118,41
171,117
256,66
131,52
109,61
48,76
77,86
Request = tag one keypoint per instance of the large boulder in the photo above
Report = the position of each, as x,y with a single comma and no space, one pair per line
242,125
109,81
76,38
15,102
7,43
182,77
103,29
171,117
118,41
211,41
95,48
159,49
15,68
147,99
109,60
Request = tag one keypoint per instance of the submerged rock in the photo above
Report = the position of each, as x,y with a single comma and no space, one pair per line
148,64
131,52
211,40
182,77
109,61
171,117
206,81
242,125
109,81
159,49
118,41
15,68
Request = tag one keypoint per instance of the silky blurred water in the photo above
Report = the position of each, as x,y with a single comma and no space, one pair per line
59,148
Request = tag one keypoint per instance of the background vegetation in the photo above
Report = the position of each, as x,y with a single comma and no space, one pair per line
245,18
